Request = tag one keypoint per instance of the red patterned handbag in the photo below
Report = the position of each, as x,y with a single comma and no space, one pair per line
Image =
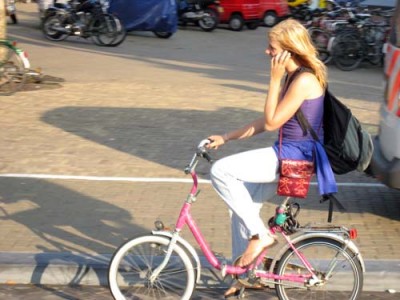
294,176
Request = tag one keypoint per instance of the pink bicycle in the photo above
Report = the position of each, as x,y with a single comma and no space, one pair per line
315,262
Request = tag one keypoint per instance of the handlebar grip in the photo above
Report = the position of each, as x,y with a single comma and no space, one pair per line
208,157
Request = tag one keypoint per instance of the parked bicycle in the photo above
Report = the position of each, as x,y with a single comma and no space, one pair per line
315,262
14,67
366,42
324,28
86,19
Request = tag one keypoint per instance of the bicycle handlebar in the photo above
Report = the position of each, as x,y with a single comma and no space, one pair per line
201,151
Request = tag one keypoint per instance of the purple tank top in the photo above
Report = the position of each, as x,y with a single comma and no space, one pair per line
313,110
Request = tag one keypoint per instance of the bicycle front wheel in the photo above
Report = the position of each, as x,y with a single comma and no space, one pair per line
338,270
133,264
12,71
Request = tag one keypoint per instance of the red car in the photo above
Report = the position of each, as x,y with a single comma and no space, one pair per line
272,11
237,13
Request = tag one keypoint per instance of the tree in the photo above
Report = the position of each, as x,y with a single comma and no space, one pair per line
3,21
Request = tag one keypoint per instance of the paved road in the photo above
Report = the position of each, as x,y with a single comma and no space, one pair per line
118,117
29,292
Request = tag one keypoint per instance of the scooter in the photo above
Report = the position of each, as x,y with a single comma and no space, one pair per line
197,12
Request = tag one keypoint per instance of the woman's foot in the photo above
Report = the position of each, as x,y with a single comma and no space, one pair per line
254,248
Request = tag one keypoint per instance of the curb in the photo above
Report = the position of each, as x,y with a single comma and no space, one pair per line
64,268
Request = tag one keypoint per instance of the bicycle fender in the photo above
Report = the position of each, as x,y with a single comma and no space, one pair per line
310,235
185,245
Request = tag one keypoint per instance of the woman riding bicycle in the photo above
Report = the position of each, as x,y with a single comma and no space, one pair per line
245,180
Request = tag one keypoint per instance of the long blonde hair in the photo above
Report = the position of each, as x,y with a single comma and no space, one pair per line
293,37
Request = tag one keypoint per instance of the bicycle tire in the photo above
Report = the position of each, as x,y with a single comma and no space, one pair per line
103,30
12,71
345,281
347,52
320,39
135,260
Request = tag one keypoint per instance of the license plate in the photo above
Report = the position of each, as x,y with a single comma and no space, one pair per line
220,9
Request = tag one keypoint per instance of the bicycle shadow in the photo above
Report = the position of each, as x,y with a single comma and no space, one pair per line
61,226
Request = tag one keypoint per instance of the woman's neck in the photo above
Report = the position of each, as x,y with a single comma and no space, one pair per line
292,67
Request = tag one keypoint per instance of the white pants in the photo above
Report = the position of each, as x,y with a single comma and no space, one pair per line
245,181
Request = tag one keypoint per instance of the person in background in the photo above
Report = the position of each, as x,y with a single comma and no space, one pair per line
11,11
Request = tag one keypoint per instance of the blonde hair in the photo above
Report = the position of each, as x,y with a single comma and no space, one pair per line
293,37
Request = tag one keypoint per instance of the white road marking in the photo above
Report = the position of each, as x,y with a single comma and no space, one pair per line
149,179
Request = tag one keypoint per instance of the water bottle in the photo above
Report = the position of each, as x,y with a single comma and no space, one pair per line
280,215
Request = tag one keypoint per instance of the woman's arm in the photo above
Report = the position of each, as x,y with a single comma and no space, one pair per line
249,130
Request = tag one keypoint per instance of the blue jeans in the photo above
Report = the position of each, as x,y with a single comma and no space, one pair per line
245,181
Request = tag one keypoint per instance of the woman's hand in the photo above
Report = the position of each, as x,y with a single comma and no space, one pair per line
216,141
278,63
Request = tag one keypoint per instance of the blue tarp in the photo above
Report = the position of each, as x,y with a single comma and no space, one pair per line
146,15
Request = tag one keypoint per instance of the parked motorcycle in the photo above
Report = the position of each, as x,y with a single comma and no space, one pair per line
302,12
84,18
198,12
11,11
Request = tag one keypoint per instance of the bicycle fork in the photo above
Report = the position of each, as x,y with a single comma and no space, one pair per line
159,269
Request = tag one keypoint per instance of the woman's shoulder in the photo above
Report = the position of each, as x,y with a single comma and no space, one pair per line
309,82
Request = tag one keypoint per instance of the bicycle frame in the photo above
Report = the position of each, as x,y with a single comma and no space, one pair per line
186,218
22,54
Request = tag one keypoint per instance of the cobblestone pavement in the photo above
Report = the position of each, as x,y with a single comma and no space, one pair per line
135,113
30,292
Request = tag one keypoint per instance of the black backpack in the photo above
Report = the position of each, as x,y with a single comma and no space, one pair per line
349,147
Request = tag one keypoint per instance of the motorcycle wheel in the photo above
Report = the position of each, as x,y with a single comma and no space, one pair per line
121,33
210,20
50,23
104,30
162,34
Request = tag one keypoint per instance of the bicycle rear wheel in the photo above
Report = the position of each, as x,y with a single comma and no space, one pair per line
12,71
344,282
135,261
